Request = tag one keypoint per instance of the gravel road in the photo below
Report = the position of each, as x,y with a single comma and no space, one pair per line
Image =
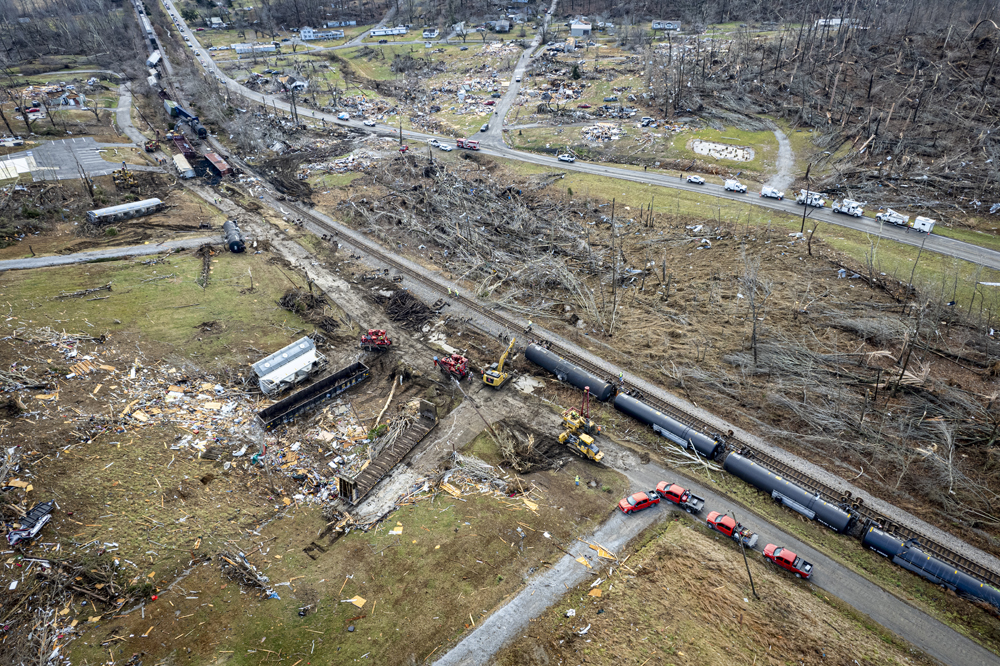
924,632
786,163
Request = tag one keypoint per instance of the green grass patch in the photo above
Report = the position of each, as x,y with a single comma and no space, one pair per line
165,303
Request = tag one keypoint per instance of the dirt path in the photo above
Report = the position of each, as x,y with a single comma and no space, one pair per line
924,632
784,178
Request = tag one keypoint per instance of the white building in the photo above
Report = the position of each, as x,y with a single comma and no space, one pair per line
216,23
666,25
341,24
387,32
430,33
838,22
306,34
243,49
579,29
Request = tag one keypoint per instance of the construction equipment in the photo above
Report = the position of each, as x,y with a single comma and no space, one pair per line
808,198
454,364
494,375
152,145
375,339
582,444
849,207
123,177
579,421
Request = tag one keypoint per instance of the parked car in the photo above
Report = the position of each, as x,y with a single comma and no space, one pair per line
343,116
464,48
517,80
496,95
490,102
638,502
368,122
583,106
697,180
566,157
786,559
445,147
383,41
485,127
611,98
434,142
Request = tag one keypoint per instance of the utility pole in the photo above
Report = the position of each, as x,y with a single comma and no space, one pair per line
400,128
745,561
805,204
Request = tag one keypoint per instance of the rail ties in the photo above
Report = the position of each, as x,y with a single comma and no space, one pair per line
813,485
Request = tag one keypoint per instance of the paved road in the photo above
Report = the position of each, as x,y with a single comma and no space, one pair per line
115,252
507,623
494,146
493,137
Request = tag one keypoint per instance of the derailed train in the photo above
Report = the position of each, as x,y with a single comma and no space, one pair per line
841,517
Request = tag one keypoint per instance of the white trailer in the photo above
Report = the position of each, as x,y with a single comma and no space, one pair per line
808,198
771,193
733,185
892,217
849,207
923,224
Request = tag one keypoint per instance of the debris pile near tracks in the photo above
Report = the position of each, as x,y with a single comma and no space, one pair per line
404,308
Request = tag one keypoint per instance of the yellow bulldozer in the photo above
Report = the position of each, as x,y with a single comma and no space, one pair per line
582,444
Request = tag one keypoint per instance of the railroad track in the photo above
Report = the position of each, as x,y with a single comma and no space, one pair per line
826,492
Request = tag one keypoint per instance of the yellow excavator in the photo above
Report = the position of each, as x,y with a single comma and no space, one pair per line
494,375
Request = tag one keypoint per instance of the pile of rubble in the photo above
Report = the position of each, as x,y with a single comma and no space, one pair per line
602,132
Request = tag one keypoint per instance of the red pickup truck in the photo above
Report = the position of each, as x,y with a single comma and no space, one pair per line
786,559
732,529
638,502
679,496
